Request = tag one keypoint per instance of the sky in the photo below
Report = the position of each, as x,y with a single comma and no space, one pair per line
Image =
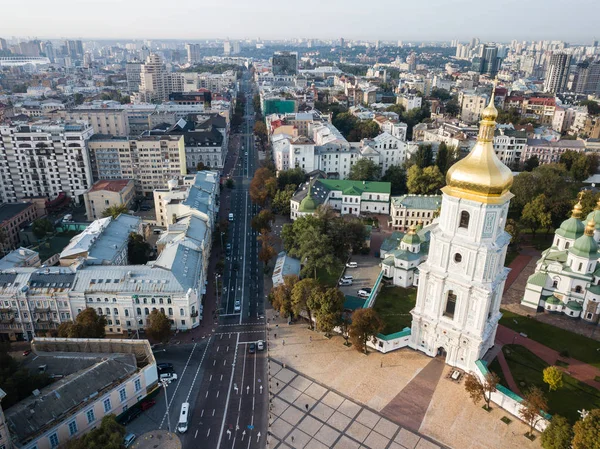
574,21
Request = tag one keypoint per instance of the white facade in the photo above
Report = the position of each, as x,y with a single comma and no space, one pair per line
472,105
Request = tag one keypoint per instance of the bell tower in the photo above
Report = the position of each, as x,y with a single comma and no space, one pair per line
460,285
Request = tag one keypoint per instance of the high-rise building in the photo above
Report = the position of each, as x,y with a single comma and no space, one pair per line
557,73
48,49
587,78
133,72
285,63
460,290
227,48
489,61
47,158
235,48
3,45
155,82
193,53
411,60
342,42
74,49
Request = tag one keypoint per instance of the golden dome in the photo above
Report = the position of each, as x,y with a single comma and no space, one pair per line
481,176
590,228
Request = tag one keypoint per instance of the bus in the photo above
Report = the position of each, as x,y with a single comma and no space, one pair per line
182,426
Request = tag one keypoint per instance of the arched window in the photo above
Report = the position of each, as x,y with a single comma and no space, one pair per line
126,312
160,300
170,311
162,310
137,300
99,310
555,283
181,312
153,301
115,311
146,311
578,289
464,219
139,311
450,304
168,300
108,310
566,245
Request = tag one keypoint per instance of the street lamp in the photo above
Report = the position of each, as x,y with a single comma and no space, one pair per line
165,383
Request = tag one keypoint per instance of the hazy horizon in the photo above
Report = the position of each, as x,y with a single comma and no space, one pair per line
431,20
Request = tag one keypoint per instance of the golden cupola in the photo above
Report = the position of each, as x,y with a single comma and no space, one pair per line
481,176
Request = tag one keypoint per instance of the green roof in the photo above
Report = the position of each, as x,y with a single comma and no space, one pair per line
356,187
585,246
571,229
595,289
308,204
538,279
553,300
403,333
423,202
406,255
574,305
388,261
594,215
411,239
392,241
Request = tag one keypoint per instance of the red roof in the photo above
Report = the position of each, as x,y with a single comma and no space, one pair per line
112,185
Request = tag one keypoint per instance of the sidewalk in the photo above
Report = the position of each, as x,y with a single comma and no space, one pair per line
510,380
579,370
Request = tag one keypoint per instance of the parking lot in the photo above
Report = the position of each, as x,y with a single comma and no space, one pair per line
364,275
186,360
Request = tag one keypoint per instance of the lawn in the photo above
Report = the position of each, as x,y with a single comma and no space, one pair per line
394,304
527,368
579,347
510,256
328,279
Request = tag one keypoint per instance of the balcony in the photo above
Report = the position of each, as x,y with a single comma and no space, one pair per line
41,309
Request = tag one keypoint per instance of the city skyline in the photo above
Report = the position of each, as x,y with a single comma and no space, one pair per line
508,21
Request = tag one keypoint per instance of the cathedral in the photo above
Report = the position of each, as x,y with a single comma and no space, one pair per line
567,277
461,282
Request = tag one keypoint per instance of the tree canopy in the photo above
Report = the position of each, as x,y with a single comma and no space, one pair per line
553,377
88,324
108,436
586,431
533,402
536,215
423,157
558,435
263,186
159,326
396,176
42,227
364,170
425,181
115,211
281,296
138,250
16,381
293,176
366,324
281,201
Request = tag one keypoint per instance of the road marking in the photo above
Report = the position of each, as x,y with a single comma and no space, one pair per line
210,378
206,394
228,394
244,267
196,434
202,414
217,393
214,361
221,377
224,362
208,433
214,409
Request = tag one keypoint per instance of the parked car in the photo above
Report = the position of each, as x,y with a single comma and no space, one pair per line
260,345
169,377
230,217
345,282
129,439
252,348
347,277
164,366
131,416
237,306
351,265
364,292
27,352
148,404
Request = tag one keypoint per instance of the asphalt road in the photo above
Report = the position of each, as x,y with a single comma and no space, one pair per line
230,410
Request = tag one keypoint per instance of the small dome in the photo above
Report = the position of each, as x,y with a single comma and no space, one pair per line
411,238
595,215
586,246
573,227
308,204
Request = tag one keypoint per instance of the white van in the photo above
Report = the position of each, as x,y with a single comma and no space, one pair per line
351,265
230,217
182,425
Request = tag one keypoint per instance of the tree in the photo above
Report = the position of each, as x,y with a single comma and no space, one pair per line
88,324
267,249
535,214
281,201
396,176
328,308
115,211
533,404
481,389
553,377
263,186
441,94
531,163
301,297
159,326
452,108
261,222
366,324
442,158
78,99
586,431
513,229
558,435
424,181
345,122
294,176
423,157
364,170
138,250
108,436
260,129
42,227
200,166
281,296
229,183
593,107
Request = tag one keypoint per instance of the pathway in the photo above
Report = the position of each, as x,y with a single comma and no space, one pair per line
516,267
510,380
579,370
409,406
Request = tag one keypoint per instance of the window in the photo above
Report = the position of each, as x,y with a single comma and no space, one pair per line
90,416
554,283
139,311
580,266
126,312
578,289
566,245
450,304
457,258
181,312
122,394
464,219
146,311
53,438
72,428
107,405
138,385
115,311
170,311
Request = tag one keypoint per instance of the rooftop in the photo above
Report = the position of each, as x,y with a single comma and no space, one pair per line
9,210
422,202
114,185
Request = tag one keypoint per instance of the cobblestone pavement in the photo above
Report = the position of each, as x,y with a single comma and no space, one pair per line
157,438
306,414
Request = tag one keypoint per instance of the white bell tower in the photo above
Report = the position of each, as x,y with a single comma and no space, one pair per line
460,285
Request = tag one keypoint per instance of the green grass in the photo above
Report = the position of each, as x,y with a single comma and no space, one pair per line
579,347
496,368
527,368
328,279
394,304
510,256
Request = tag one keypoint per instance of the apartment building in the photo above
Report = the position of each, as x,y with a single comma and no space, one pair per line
20,257
13,217
108,193
93,378
149,160
413,210
44,158
409,101
472,105
510,146
112,121
548,152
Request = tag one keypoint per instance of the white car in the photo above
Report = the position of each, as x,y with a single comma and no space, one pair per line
364,292
345,282
351,265
260,345
237,306
169,377
347,277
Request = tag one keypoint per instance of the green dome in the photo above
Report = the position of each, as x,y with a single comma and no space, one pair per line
586,246
575,306
595,215
571,228
308,204
553,300
411,238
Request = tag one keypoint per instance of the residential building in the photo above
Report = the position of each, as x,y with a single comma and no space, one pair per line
108,193
20,257
392,126
409,210
156,83
557,73
92,380
44,158
409,101
4,435
193,53
587,78
567,276
346,197
112,121
13,218
510,146
103,242
548,152
133,71
489,62
472,104
385,150
460,284
149,160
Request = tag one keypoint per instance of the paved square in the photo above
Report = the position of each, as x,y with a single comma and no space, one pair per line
339,421
322,411
310,425
368,418
376,441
